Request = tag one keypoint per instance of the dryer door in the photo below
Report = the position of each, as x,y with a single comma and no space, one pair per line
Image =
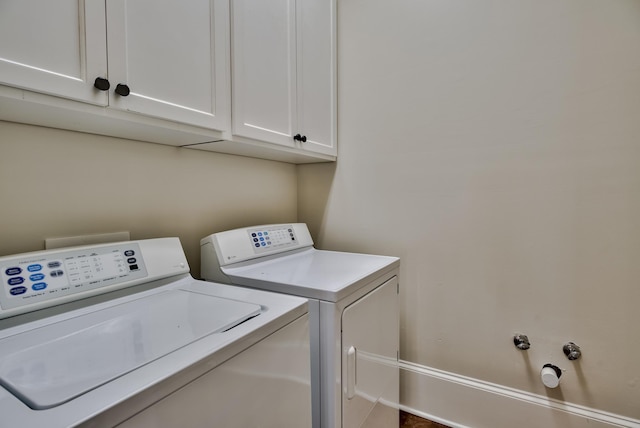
370,374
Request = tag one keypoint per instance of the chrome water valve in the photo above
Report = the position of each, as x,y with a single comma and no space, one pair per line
572,351
521,341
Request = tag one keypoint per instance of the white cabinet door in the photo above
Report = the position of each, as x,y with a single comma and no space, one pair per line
370,372
170,59
54,47
317,74
283,67
264,70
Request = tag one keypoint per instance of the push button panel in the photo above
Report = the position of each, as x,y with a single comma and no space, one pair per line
31,279
269,238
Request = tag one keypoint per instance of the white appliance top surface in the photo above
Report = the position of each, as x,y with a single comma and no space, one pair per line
312,273
77,364
48,366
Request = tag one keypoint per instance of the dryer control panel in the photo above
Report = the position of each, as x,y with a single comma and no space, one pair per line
238,245
265,238
39,277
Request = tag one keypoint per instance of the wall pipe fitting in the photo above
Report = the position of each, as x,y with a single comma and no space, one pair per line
550,375
572,351
521,341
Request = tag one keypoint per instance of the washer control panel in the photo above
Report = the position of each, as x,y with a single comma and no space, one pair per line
266,238
40,277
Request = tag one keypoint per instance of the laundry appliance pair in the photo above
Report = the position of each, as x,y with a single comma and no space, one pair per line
122,335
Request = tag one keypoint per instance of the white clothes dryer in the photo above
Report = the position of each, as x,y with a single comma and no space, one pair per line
353,309
122,335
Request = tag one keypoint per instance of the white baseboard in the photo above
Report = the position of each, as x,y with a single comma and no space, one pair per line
462,402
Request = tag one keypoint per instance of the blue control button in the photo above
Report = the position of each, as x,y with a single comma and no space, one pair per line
34,267
261,239
39,286
18,290
16,280
13,271
263,244
53,265
266,233
36,277
259,233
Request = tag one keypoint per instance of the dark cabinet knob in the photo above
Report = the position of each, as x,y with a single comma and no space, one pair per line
101,84
122,90
299,137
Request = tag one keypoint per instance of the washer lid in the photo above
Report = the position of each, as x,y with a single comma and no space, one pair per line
51,365
317,274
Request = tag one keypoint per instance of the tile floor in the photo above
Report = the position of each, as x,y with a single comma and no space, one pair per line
407,420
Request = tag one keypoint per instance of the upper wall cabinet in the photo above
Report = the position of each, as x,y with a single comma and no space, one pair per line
55,48
160,72
284,72
166,60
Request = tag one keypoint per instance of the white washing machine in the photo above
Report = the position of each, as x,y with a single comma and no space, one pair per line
122,335
353,309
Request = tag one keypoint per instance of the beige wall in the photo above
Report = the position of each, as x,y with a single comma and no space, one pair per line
494,146
60,183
